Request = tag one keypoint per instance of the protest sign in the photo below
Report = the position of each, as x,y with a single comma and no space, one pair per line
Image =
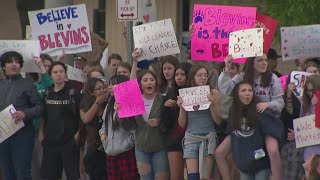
156,39
147,12
269,26
317,110
283,81
246,43
129,97
299,79
75,74
300,42
27,48
8,127
195,98
212,25
28,32
305,132
61,28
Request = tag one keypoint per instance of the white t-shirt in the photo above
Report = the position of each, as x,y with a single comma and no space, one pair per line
148,104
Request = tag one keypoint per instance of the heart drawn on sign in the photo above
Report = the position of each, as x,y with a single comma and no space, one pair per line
146,18
69,26
196,108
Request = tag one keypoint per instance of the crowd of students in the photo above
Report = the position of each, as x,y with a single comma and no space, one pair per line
246,133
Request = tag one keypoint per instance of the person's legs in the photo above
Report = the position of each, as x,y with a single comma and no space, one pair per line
176,164
128,166
274,155
221,154
144,164
5,160
160,165
193,169
263,174
246,176
36,160
112,169
70,160
51,164
21,152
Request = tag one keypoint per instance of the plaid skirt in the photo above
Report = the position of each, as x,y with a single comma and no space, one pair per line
292,161
123,166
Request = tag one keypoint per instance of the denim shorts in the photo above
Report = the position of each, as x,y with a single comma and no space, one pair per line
191,151
157,160
263,174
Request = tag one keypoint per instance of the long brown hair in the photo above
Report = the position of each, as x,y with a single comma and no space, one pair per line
306,100
171,60
314,174
249,73
237,109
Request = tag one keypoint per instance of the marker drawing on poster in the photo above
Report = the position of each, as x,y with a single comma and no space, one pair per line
299,79
305,132
75,74
8,127
64,28
269,26
195,98
156,39
246,43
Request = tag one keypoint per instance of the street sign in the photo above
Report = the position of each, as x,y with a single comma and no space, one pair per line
127,10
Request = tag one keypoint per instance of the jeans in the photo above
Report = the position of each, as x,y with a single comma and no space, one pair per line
16,155
158,162
263,174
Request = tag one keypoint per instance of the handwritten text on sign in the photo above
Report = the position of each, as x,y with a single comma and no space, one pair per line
246,43
195,98
27,48
61,28
306,134
269,26
212,25
300,42
75,74
129,97
299,79
156,39
7,125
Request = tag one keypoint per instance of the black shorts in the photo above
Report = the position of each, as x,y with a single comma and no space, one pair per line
56,158
175,145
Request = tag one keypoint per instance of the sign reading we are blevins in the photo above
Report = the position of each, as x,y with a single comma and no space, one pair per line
246,43
156,39
305,132
61,28
212,25
195,98
300,42
128,96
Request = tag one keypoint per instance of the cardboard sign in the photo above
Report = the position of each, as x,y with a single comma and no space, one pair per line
127,10
246,43
317,110
283,81
300,42
299,79
129,97
195,98
61,28
305,132
156,39
8,127
27,48
75,74
269,26
212,25
147,12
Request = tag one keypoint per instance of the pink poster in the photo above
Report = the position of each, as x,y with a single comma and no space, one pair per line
212,25
129,97
269,26
283,81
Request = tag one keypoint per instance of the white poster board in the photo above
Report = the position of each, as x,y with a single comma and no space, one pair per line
246,43
147,12
300,42
156,39
27,48
75,74
299,79
7,125
61,28
305,132
195,98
